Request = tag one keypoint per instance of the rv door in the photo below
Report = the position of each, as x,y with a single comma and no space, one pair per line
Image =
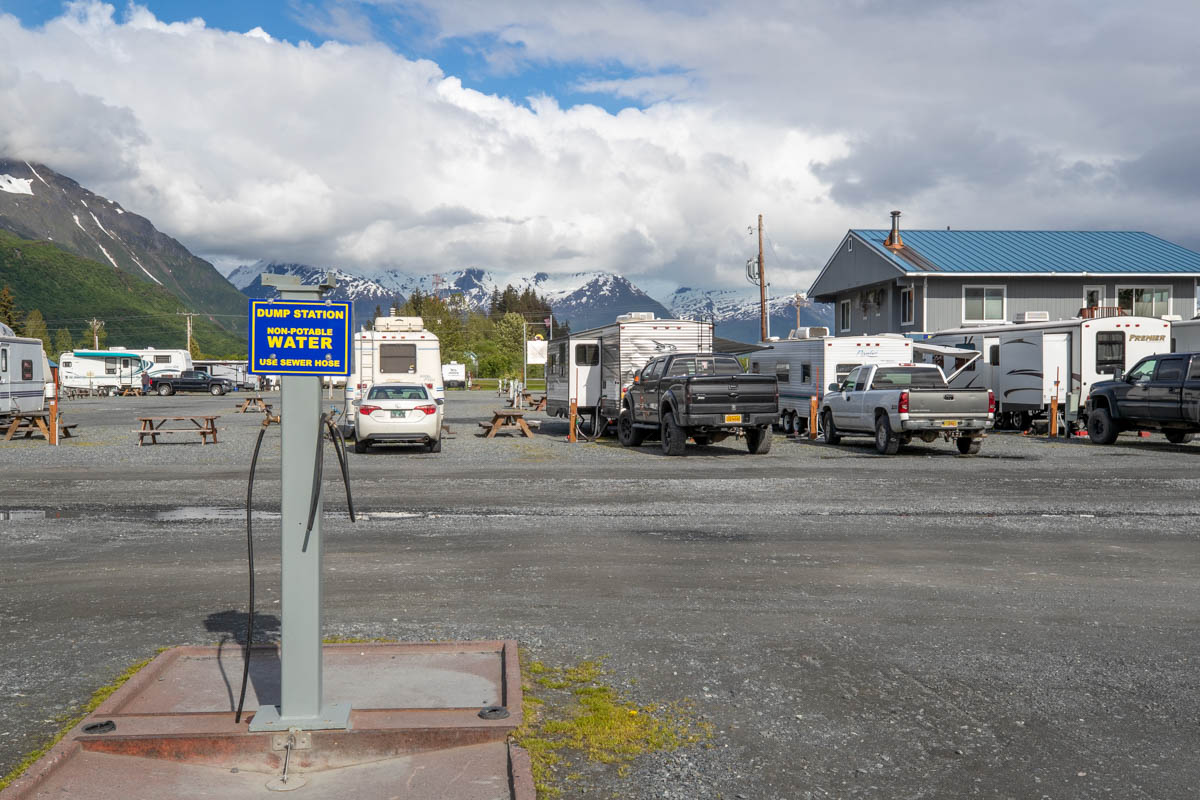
1056,366
585,372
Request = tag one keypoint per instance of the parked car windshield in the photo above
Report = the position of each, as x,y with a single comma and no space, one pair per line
397,393
908,378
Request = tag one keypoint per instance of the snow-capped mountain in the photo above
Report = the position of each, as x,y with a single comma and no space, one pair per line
584,299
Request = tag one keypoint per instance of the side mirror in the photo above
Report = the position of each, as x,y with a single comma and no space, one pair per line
1118,373
833,387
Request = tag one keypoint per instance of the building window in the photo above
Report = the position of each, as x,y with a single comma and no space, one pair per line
1196,307
983,303
906,306
844,315
1144,301
1093,297
849,245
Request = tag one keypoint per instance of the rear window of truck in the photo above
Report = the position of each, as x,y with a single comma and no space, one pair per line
907,378
704,365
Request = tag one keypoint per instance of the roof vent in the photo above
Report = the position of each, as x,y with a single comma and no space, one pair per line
894,241
636,316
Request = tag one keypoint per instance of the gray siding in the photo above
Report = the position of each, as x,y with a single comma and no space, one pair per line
1061,298
852,268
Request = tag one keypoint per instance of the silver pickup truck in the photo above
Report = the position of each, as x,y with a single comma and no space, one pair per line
898,403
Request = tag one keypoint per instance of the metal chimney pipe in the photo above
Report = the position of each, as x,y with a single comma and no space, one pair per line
894,241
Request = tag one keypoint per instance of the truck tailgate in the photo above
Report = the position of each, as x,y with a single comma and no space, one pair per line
947,402
715,394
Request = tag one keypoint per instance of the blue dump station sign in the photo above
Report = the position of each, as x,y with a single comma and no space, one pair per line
295,338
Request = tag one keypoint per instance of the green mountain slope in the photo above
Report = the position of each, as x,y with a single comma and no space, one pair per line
70,290
53,207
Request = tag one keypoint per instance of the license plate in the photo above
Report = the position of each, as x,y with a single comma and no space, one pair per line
733,418
399,414
950,423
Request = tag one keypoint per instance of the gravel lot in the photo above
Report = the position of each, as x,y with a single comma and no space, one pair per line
1020,624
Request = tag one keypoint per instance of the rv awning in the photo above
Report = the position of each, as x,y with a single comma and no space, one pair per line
971,356
733,347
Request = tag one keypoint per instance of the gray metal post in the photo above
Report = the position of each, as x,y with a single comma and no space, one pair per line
301,702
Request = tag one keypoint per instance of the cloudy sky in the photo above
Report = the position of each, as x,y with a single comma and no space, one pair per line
642,138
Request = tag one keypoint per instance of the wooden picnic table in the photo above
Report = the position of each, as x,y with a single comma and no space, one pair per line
37,422
205,427
506,419
254,403
132,391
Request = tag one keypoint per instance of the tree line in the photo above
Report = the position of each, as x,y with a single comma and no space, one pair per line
33,325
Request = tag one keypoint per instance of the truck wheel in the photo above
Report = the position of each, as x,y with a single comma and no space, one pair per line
1101,428
628,435
886,444
969,446
1179,437
758,440
674,440
216,390
165,390
830,433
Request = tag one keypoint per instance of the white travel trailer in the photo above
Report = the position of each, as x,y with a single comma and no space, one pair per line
810,359
454,374
24,372
1185,336
398,349
117,367
594,367
1028,364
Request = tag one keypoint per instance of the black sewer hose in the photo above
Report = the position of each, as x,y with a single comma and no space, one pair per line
339,446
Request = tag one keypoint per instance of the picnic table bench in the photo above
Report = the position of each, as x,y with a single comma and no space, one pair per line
205,427
254,403
132,391
37,422
508,419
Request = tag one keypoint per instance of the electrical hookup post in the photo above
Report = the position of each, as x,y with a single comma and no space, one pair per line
301,338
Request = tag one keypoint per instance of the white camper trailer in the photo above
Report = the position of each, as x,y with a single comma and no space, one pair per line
23,374
594,367
1027,365
810,359
398,349
117,367
454,374
1185,336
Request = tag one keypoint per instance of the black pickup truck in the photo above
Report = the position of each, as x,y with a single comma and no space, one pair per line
701,395
189,381
1160,393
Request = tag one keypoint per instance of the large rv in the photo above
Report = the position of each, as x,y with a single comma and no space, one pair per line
398,349
1185,336
1029,364
810,359
113,369
594,367
23,373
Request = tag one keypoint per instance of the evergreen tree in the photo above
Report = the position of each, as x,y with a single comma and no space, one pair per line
9,314
62,342
35,328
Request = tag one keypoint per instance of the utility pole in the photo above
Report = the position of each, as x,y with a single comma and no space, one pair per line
96,325
189,316
762,281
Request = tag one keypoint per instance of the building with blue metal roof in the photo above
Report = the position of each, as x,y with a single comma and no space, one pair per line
923,281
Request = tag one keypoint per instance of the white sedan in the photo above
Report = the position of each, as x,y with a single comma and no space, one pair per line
398,412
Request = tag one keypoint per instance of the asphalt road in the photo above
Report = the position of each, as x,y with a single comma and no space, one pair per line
1020,624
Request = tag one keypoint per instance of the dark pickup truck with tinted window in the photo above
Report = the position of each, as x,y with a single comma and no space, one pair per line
700,395
1160,393
189,381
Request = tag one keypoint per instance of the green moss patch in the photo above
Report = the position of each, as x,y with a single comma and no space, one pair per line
573,717
69,721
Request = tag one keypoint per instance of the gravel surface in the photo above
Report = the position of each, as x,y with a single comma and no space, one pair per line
1019,624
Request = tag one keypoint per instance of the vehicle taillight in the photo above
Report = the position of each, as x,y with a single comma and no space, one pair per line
991,402
429,386
687,394
428,409
903,406
368,410
362,386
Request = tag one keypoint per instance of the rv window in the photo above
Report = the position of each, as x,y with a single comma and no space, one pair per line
806,373
162,359
587,355
1110,351
110,366
1170,369
994,355
26,370
754,367
783,372
3,361
397,358
842,370
67,364
959,361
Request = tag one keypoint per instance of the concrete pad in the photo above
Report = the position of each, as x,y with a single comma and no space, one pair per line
414,726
